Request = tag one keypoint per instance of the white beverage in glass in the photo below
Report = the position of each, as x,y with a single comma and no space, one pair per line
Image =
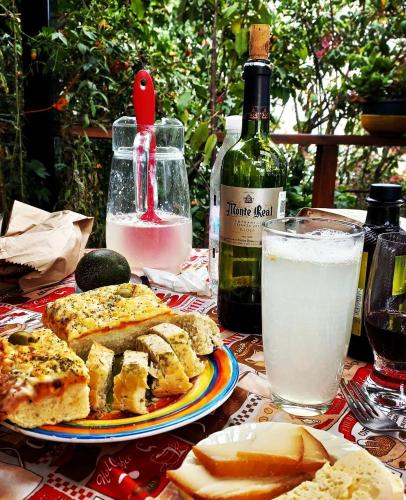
163,246
308,297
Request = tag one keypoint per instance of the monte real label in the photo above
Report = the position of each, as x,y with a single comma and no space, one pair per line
243,211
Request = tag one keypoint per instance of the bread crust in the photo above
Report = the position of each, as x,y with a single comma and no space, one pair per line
100,366
70,404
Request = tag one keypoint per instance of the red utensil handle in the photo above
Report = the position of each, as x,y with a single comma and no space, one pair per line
144,99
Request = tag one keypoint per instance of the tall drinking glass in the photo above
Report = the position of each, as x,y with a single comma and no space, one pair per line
385,321
310,270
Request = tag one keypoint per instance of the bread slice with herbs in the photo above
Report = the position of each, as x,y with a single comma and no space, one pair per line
181,344
202,330
167,370
100,365
130,385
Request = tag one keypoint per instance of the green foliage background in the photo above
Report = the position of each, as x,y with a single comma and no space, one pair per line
328,55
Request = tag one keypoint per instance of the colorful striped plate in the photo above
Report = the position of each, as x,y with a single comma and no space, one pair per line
210,390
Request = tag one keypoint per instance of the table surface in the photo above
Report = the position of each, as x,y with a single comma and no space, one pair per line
136,469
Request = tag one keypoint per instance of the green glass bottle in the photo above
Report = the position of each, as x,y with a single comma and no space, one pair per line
253,183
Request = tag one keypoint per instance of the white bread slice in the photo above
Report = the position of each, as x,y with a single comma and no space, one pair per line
167,370
100,365
357,476
196,481
130,384
180,342
277,451
203,331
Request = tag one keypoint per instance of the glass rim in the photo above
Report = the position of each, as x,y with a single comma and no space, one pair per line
392,237
165,122
359,230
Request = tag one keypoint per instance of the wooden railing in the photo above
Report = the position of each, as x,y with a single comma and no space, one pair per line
326,155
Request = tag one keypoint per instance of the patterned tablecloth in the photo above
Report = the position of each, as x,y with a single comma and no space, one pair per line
42,470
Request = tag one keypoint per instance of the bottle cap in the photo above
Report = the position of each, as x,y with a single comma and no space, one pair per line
385,193
259,41
233,123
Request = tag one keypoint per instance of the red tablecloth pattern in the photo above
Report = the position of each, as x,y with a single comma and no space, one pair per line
42,470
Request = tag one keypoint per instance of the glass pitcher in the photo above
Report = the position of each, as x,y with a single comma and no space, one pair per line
165,245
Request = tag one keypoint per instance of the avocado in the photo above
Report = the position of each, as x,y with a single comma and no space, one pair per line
102,267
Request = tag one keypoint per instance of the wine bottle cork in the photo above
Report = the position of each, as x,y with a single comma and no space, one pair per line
259,41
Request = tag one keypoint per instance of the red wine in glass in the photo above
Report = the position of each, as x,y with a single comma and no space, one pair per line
385,322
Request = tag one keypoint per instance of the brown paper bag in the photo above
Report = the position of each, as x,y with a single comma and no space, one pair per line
51,244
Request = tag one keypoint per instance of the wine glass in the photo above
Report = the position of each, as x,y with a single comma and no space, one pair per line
385,322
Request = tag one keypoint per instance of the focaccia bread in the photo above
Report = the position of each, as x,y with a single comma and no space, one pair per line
42,381
202,330
112,316
166,369
100,366
181,344
130,384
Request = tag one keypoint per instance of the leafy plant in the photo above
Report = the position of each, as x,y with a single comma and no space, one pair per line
12,180
322,51
377,67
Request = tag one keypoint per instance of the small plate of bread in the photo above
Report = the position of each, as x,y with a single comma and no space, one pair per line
111,364
269,460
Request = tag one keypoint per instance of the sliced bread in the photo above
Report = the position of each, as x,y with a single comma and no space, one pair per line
100,365
181,344
130,384
166,369
202,330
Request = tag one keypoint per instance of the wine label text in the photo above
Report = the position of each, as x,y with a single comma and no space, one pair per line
244,210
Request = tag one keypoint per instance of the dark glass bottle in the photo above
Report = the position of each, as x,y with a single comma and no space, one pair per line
384,202
253,183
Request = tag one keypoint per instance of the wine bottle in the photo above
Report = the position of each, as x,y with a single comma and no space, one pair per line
253,182
384,202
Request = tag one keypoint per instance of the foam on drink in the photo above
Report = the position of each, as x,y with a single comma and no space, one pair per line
337,247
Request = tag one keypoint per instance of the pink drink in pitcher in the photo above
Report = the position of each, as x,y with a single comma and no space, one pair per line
164,246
